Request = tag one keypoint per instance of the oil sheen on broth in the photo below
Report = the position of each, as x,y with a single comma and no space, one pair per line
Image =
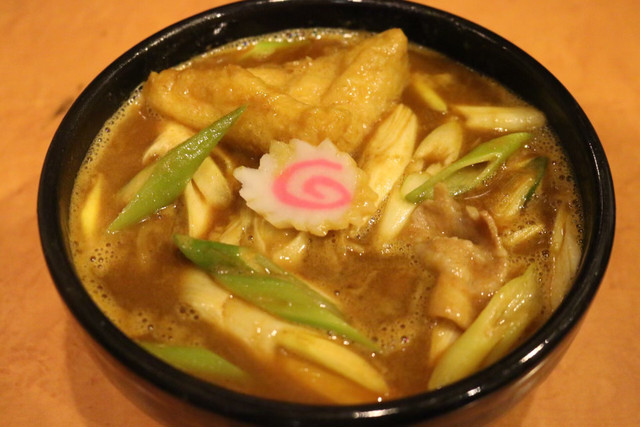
412,277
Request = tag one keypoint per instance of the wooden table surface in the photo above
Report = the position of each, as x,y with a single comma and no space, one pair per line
50,50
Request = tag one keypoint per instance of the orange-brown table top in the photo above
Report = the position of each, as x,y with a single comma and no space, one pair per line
50,50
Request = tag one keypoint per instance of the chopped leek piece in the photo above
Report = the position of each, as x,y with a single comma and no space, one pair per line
397,211
198,211
438,149
513,238
89,213
206,193
172,172
566,250
129,190
507,119
519,187
443,335
317,349
212,184
258,280
423,86
498,326
537,167
171,135
265,48
327,383
262,334
196,360
389,151
441,145
472,169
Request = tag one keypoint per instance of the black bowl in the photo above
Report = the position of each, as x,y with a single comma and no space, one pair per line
178,399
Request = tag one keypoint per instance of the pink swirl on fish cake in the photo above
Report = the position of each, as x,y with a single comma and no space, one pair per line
311,187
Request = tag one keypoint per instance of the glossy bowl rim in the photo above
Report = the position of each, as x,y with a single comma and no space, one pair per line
251,409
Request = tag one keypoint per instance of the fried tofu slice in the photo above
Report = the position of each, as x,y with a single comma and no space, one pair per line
339,96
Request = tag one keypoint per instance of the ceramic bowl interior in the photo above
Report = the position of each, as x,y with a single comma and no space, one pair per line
478,397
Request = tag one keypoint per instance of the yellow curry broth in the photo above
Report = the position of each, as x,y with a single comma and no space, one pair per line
135,274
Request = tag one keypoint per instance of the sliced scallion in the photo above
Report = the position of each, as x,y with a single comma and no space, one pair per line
472,169
172,172
256,279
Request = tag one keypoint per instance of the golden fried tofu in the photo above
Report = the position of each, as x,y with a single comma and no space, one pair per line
339,96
